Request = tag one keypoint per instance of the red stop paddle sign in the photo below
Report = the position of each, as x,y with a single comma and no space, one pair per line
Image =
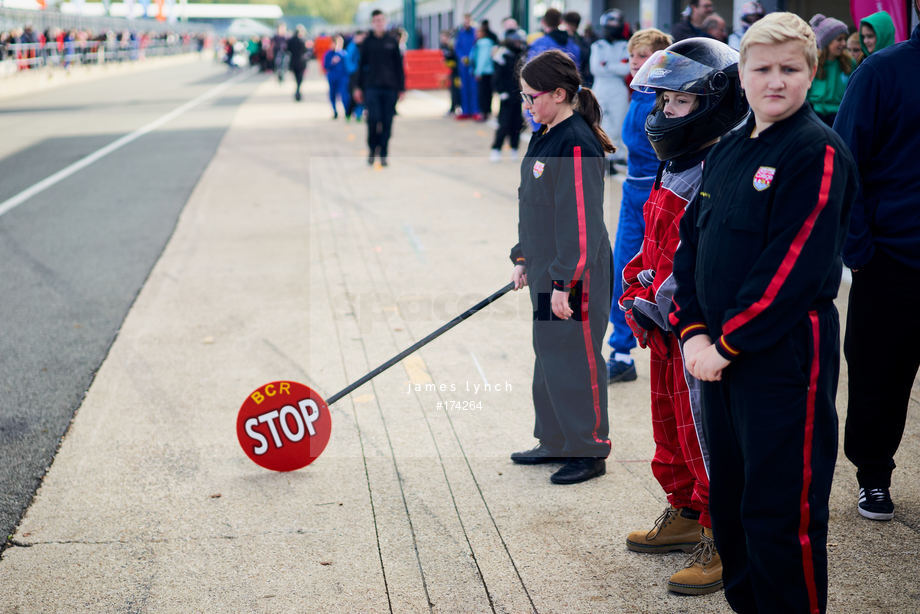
283,426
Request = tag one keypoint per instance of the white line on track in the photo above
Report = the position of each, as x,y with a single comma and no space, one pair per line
413,240
82,163
479,368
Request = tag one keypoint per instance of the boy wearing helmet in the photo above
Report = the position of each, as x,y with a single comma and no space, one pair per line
699,99
757,272
640,177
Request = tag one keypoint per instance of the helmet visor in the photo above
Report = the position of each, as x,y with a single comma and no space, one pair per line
666,70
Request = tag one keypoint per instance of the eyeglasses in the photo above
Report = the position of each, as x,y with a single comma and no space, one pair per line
529,98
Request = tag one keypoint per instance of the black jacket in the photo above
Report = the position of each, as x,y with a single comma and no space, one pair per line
760,244
298,50
884,137
684,29
505,80
561,205
584,68
381,64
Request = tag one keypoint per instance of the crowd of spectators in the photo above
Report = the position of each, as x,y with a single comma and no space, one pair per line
25,48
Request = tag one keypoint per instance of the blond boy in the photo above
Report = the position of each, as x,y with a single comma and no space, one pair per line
757,271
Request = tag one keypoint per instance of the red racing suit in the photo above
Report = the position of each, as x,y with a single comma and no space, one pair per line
680,463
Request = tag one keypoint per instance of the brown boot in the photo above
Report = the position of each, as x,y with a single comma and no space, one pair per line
671,532
703,573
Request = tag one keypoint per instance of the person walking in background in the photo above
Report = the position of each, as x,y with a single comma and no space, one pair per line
714,27
510,113
229,52
464,42
610,66
279,51
483,69
381,82
692,23
552,38
571,21
336,65
450,60
253,48
876,32
563,255
750,13
834,67
878,121
510,23
352,60
297,49
640,177
757,271
855,49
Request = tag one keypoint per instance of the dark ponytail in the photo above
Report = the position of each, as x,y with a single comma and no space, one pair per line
552,69
590,109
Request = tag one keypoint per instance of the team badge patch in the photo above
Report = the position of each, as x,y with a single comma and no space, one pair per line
537,169
763,178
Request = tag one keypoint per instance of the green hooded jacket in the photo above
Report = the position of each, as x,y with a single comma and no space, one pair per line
883,25
825,94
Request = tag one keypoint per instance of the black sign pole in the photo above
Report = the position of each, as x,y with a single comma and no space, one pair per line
460,318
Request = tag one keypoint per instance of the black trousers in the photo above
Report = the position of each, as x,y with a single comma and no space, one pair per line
882,362
298,76
484,93
454,90
570,375
510,122
771,427
381,107
352,84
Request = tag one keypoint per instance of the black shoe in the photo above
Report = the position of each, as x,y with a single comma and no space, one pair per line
539,455
620,371
578,470
297,96
370,160
383,161
875,504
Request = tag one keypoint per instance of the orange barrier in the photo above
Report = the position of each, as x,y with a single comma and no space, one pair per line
322,44
425,69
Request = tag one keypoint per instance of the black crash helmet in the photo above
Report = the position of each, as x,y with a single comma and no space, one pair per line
701,66
614,25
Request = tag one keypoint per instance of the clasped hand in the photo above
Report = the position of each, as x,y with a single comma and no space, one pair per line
702,359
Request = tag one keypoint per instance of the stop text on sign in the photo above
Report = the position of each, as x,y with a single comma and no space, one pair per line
283,426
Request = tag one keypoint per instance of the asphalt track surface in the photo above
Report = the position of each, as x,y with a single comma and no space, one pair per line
75,254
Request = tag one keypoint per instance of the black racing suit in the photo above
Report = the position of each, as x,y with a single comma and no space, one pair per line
564,245
757,269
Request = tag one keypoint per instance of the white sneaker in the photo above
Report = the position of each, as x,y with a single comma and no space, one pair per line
514,154
495,155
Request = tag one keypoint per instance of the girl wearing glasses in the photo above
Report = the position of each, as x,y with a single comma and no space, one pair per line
563,255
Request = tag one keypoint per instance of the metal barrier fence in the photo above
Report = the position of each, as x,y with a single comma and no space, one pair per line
29,56
41,20
136,39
